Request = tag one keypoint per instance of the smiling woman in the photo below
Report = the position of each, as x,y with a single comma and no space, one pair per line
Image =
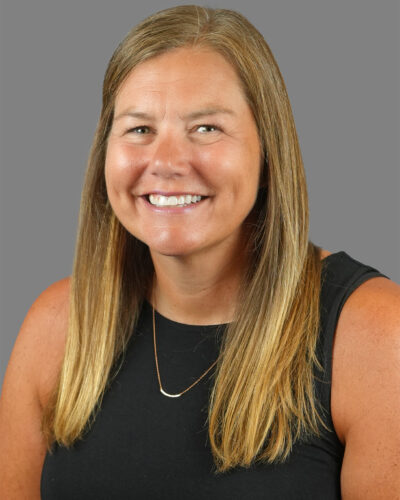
193,253
192,134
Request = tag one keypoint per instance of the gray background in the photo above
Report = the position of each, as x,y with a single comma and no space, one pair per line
340,62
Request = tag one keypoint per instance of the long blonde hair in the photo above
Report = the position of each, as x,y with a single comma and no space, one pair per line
263,397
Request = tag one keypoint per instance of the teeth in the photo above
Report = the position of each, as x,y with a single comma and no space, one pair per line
162,201
172,201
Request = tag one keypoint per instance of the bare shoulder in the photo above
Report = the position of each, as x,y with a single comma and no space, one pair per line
367,337
366,389
53,310
31,373
39,346
43,333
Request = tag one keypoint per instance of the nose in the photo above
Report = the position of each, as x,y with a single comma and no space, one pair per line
170,157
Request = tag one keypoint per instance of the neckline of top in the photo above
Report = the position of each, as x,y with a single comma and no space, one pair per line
167,322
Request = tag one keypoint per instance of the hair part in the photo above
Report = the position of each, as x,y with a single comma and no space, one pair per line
263,398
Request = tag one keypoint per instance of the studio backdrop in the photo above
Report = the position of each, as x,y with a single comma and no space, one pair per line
341,64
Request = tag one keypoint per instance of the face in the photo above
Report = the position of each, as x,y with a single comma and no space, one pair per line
183,156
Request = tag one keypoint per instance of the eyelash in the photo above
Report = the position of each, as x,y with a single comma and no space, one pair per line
208,125
136,128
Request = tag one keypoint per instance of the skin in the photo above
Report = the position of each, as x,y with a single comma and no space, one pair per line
365,399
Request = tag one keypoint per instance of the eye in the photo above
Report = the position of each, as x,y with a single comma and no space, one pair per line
207,128
141,130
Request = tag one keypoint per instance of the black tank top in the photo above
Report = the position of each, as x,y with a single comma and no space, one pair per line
146,446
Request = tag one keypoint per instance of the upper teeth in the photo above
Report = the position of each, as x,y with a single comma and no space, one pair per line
162,201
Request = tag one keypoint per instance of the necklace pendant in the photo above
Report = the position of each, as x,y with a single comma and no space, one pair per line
158,371
169,395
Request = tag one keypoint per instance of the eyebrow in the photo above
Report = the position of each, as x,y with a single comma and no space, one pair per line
214,110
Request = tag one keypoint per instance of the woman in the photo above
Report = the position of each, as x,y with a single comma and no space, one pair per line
190,352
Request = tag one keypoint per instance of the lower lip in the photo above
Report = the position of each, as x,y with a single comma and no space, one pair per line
171,209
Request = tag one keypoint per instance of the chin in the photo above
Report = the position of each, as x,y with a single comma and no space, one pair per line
173,248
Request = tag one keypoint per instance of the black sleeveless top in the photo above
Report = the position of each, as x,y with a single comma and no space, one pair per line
146,446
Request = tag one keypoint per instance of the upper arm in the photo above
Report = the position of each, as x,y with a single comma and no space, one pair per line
366,391
31,371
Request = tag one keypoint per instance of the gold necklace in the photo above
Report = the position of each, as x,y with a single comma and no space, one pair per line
158,372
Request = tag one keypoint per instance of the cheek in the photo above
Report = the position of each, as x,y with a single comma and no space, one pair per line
222,165
120,170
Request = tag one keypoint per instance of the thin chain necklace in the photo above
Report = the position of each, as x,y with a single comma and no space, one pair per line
158,372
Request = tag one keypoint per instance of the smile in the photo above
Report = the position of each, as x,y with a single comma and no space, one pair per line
160,200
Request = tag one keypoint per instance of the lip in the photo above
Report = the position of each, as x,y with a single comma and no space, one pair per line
171,209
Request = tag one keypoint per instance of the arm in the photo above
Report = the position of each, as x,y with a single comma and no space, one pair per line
366,391
30,375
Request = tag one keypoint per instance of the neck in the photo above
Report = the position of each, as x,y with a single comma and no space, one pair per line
199,289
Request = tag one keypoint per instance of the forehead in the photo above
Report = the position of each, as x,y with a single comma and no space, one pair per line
183,74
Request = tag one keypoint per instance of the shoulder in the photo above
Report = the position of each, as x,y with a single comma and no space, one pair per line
366,386
29,379
371,310
49,318
40,343
367,336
